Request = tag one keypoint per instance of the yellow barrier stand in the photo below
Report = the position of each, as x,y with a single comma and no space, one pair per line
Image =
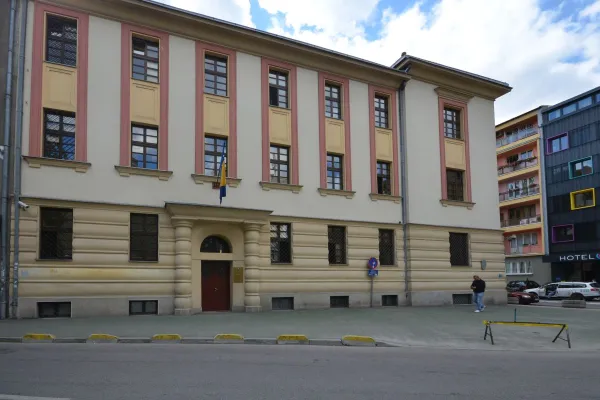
563,327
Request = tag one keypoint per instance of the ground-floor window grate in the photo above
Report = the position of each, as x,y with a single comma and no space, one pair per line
57,309
143,307
282,303
462,299
339,301
389,300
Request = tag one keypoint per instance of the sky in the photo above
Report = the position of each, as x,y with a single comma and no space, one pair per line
547,50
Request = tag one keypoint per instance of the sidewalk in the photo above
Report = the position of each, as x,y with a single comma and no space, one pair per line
441,327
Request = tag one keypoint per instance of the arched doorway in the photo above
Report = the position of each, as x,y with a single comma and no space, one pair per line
215,244
216,276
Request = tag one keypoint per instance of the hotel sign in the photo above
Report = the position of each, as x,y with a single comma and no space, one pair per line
572,257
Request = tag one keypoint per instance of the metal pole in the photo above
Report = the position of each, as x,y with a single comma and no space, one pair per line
18,140
371,291
404,187
5,245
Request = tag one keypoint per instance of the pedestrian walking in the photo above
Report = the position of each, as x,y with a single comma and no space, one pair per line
478,287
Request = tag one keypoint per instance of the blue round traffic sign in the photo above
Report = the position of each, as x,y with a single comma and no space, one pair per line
372,263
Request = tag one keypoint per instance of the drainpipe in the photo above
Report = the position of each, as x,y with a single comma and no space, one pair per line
404,186
5,244
542,157
18,152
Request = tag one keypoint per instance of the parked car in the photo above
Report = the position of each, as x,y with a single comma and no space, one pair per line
519,286
568,290
524,297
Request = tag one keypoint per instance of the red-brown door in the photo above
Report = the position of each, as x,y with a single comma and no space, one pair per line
216,292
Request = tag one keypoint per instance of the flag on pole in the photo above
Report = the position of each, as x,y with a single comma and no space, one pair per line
223,177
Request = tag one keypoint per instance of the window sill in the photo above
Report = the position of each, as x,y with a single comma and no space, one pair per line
285,264
339,265
281,186
332,192
461,266
53,260
582,208
37,162
456,203
520,274
143,262
202,179
128,171
385,197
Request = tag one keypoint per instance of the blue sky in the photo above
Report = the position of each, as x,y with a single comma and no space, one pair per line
547,50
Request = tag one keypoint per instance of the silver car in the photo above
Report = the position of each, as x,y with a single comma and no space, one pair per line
568,290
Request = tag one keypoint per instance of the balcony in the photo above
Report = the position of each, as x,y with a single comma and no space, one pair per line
524,250
520,221
515,194
516,136
516,166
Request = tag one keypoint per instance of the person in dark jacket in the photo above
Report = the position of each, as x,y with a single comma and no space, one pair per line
478,287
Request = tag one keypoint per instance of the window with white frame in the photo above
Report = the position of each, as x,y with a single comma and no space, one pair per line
519,268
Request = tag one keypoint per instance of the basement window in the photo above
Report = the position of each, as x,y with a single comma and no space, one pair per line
143,307
54,309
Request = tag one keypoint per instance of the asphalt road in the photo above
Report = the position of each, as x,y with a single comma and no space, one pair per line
248,372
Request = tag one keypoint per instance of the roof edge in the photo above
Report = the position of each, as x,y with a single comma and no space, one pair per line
405,59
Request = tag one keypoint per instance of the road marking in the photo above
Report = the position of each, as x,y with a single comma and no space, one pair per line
11,397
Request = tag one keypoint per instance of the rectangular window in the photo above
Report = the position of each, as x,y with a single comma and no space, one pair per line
213,150
144,147
53,309
581,167
558,143
215,75
61,40
381,112
452,123
145,59
455,185
563,233
583,199
282,303
389,300
335,172
280,164
554,114
384,180
459,249
143,237
56,234
332,101
143,307
59,135
387,249
337,244
571,108
281,243
339,301
278,89
584,102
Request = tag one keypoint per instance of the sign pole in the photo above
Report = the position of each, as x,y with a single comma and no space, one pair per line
372,278
372,264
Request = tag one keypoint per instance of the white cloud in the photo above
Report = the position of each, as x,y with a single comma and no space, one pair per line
592,10
509,40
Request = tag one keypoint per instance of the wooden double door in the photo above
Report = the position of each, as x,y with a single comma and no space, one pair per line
216,285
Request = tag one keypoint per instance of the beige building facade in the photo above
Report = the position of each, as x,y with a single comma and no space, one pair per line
330,160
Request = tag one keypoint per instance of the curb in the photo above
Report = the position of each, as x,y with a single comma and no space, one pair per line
353,340
221,338
166,338
228,338
102,338
292,339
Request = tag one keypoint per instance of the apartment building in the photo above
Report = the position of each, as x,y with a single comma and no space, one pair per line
520,196
331,160
571,135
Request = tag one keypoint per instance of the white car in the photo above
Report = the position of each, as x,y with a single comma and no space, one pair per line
568,290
